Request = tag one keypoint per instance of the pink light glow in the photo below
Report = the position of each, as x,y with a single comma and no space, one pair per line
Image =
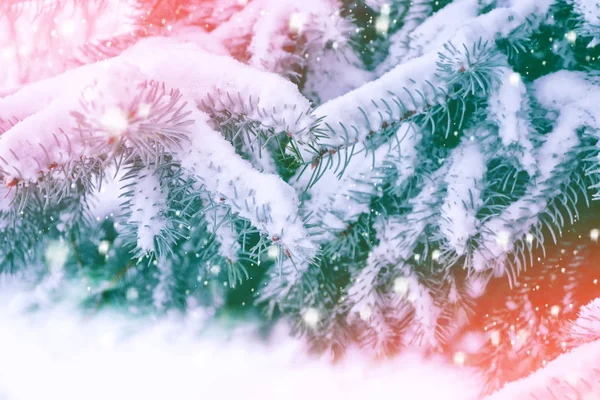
42,38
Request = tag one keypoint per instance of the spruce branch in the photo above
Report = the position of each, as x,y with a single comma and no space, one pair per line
585,328
554,178
414,86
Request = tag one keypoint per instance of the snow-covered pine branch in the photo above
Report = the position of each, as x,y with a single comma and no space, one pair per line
345,190
458,220
509,107
587,326
422,33
589,25
399,238
512,134
222,224
150,124
560,153
147,208
426,81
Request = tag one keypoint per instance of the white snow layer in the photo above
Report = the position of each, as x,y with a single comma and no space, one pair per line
60,353
273,101
573,375
388,249
147,206
400,41
508,107
458,215
259,29
264,199
437,29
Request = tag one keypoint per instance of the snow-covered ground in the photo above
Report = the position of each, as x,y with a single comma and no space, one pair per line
57,352
53,350
574,375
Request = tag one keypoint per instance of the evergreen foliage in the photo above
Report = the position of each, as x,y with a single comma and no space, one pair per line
367,170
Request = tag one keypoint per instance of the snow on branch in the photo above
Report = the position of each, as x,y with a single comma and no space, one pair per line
589,10
412,87
65,128
587,326
456,184
122,111
290,285
411,16
227,86
274,102
285,36
420,35
398,238
344,193
458,220
221,223
360,293
508,106
572,96
148,205
264,199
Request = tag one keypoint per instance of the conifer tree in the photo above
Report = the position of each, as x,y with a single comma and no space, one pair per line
372,172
